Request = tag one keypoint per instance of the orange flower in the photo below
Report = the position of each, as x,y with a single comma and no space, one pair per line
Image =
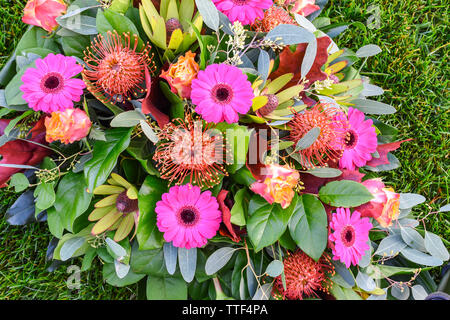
384,207
43,13
180,75
278,185
68,126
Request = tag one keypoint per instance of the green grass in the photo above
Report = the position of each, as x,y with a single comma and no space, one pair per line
413,70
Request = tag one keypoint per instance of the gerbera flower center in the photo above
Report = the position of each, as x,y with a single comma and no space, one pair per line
125,204
188,215
52,82
351,139
348,235
222,93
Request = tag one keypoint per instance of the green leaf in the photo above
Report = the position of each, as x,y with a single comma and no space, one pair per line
380,271
72,200
435,247
110,21
275,268
218,259
372,107
69,247
110,276
166,288
239,210
187,260
308,225
149,262
289,34
148,235
209,13
19,181
308,139
344,193
45,196
170,257
127,119
82,24
325,172
368,51
105,155
36,37
74,46
267,224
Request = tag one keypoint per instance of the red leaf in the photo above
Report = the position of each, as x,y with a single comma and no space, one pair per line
154,94
228,231
383,150
291,62
22,152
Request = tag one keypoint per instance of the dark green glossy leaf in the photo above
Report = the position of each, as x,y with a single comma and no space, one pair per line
166,288
72,199
148,235
105,155
267,224
344,193
308,225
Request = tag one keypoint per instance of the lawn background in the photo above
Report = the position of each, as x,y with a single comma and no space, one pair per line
413,71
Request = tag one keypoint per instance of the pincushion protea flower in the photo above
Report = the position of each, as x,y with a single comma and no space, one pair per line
115,66
304,276
118,211
190,150
328,145
272,18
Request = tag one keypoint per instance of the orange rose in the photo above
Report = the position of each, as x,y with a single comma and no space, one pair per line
384,207
43,13
68,126
278,185
180,75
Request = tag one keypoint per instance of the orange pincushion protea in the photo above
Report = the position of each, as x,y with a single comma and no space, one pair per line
115,67
329,143
272,18
304,276
190,150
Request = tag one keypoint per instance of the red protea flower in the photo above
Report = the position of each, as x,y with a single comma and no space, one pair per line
191,149
273,17
115,67
304,276
329,143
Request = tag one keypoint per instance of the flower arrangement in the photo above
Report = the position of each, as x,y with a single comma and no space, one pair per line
219,148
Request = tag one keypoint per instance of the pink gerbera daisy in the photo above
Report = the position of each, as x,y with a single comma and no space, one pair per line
244,11
49,87
221,92
350,236
187,216
360,141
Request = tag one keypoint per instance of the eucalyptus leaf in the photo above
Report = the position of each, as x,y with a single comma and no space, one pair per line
187,260
308,139
368,51
275,268
218,259
435,246
70,246
209,13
